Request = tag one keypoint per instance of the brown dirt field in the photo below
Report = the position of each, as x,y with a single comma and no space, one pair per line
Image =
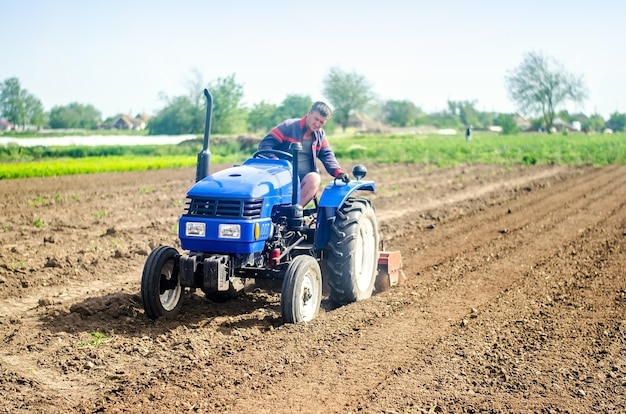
514,301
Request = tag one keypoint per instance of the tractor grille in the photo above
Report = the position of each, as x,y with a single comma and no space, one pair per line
213,207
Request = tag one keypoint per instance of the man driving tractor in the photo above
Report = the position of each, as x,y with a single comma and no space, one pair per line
307,131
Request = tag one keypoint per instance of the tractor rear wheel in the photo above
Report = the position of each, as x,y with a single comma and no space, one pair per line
302,290
352,254
161,292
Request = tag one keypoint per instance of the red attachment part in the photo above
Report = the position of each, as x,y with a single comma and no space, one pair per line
275,257
389,270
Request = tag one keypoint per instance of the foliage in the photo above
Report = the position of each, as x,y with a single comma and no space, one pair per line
61,166
540,85
293,106
593,123
400,113
445,119
616,121
96,339
74,115
181,116
261,117
229,114
18,106
506,121
466,112
347,93
186,114
37,161
527,148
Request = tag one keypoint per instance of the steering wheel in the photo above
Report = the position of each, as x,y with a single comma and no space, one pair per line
265,153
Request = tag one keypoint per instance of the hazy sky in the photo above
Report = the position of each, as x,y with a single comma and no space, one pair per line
120,55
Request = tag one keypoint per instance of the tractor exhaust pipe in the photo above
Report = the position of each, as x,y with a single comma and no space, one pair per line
204,156
295,147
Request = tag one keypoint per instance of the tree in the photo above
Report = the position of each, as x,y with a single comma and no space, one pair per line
540,85
293,106
186,114
594,123
617,121
75,115
506,121
180,116
400,113
445,119
347,93
18,106
262,117
229,115
265,116
466,112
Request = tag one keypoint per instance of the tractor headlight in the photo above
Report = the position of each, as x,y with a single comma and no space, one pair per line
195,229
230,231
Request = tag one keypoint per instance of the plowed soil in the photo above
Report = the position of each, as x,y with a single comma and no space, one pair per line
514,301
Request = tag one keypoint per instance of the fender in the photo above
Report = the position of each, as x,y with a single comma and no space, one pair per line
334,195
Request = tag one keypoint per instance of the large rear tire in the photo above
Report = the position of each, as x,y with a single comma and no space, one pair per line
352,258
161,292
302,290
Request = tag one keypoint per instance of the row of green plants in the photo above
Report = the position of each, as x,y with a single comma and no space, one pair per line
526,149
12,152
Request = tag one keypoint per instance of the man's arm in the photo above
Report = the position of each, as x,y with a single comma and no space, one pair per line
328,159
269,142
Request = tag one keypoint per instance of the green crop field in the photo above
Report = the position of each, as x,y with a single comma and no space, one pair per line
526,149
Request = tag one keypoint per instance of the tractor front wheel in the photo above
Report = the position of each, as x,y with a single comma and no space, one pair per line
352,254
161,292
302,290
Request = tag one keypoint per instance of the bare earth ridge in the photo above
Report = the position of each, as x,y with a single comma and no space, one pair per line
514,301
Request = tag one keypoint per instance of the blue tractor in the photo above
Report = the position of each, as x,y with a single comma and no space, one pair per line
245,223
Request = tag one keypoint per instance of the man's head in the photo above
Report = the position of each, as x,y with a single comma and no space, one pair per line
317,115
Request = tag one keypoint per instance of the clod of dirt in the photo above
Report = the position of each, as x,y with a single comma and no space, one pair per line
52,262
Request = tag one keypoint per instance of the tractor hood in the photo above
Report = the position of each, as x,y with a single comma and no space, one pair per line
254,179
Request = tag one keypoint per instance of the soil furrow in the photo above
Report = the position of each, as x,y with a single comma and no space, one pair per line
514,303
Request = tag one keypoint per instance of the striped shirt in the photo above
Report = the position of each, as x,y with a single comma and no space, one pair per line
293,130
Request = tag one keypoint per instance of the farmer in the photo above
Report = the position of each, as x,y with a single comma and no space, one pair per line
307,131
468,134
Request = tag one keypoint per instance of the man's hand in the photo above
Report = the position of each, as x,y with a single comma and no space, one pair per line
343,177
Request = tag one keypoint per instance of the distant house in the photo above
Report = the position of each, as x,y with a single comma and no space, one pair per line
140,122
363,123
559,124
121,121
5,125
522,123
126,122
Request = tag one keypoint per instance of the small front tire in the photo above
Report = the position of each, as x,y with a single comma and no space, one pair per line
161,292
302,290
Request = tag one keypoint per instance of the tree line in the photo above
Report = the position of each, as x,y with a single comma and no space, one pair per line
540,87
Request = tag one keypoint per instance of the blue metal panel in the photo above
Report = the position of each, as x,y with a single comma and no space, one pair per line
336,193
256,178
212,243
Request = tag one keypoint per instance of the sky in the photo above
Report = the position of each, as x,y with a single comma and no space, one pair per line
130,56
